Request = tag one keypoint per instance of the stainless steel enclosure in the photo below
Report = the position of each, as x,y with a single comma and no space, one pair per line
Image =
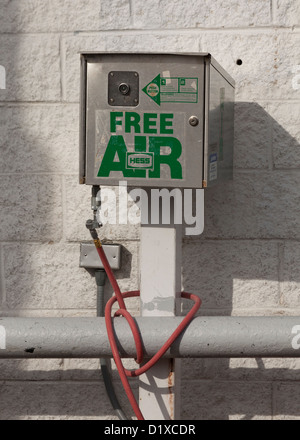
156,120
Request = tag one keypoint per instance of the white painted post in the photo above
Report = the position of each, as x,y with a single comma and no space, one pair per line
160,256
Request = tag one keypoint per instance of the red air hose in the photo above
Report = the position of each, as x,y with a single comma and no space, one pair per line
119,297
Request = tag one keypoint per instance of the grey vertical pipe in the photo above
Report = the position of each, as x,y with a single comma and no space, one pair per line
212,336
100,276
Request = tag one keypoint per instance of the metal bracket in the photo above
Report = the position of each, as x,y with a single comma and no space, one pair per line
89,258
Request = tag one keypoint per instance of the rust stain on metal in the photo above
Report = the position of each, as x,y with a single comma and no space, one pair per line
171,389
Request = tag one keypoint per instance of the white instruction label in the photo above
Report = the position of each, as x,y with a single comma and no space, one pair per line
2,338
213,167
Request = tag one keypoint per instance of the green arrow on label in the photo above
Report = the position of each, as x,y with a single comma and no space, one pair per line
153,89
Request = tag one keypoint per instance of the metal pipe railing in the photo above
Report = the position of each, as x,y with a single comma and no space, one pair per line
213,336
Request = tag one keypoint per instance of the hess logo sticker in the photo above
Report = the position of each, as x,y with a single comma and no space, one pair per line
139,160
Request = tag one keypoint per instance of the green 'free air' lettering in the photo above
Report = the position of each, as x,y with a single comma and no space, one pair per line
155,145
114,158
116,147
132,126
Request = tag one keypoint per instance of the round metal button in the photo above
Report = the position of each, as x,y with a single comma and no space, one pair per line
193,120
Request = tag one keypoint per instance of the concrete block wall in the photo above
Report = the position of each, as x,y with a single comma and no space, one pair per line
246,262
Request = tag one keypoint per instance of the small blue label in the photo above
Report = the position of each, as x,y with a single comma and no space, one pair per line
213,157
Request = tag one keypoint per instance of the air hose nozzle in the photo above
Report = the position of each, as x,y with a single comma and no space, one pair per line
91,226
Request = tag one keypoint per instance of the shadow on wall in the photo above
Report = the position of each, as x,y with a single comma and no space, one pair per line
246,259
247,263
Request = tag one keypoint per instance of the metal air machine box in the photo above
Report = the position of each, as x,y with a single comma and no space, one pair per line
155,120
